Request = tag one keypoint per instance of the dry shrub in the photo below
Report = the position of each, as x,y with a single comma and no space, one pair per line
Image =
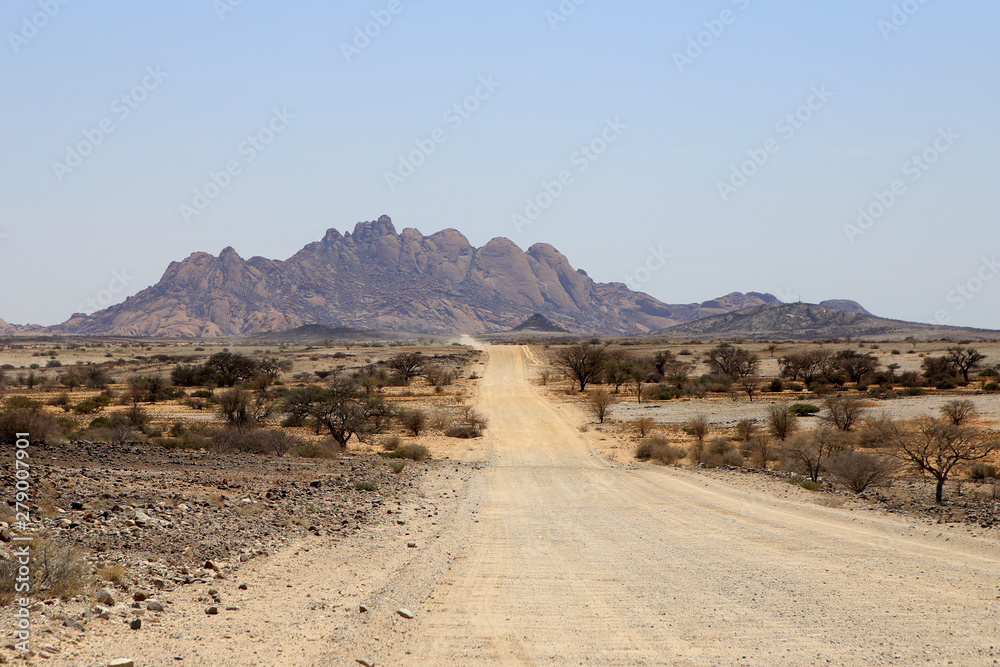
859,470
251,440
643,426
463,431
414,421
391,443
658,448
58,570
115,574
721,452
39,424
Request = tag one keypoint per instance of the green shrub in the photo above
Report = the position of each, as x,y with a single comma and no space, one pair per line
313,451
991,386
776,385
810,485
413,452
181,443
365,485
397,466
803,409
22,403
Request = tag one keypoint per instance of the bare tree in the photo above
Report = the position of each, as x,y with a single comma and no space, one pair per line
781,421
845,411
699,427
958,411
937,447
581,363
746,429
750,385
600,402
810,450
414,421
643,426
639,372
965,359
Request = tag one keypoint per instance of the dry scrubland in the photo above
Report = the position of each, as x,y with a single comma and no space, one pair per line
155,500
691,415
141,486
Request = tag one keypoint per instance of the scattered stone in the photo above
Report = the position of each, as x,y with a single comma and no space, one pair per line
405,613
141,595
244,558
122,662
363,609
232,608
242,587
74,624
411,545
212,611
104,597
154,605
76,506
135,623
365,662
209,565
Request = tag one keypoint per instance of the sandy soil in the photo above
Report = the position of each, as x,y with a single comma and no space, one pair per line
534,550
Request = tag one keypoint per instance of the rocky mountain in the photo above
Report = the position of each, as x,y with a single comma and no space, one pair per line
806,321
376,278
845,305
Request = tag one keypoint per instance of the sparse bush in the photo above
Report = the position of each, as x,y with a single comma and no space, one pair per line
59,570
414,421
991,386
251,440
859,470
776,385
463,431
397,466
657,447
600,402
980,472
643,426
40,425
844,411
313,451
391,443
760,449
745,429
365,485
781,421
958,411
810,485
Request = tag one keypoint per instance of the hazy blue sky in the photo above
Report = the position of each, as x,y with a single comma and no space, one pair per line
676,95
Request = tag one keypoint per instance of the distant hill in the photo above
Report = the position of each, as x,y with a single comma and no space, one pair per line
317,332
538,322
845,305
805,321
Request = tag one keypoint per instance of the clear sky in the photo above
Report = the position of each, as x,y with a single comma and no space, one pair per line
738,137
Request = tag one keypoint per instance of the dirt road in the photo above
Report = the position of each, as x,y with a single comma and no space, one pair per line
548,555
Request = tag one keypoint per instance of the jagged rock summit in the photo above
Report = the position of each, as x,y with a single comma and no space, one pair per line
375,278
